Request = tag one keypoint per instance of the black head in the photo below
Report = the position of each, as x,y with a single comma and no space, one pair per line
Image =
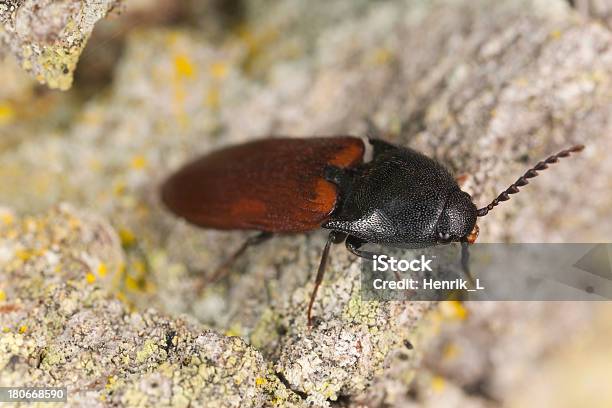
458,219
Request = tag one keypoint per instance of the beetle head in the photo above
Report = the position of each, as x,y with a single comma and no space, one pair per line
458,219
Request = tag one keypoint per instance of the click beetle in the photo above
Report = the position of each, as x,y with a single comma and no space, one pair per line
397,196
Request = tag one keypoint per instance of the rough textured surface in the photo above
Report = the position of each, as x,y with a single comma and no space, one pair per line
482,86
48,36
598,10
60,329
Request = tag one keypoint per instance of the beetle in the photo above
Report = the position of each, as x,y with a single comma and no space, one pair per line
397,196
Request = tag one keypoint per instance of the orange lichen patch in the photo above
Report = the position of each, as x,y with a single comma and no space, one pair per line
349,155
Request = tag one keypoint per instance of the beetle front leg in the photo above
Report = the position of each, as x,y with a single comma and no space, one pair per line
353,244
335,237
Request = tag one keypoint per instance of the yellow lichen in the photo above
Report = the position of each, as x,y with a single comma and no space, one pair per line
438,383
183,67
555,34
90,278
24,254
119,187
2,296
450,351
139,268
148,349
213,97
453,309
102,270
139,162
382,56
23,329
218,70
234,331
7,114
7,218
127,237
132,284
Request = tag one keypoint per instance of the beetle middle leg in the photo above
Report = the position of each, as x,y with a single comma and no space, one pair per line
335,237
353,244
223,269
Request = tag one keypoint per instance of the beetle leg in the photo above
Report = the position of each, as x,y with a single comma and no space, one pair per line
334,237
224,268
465,263
353,244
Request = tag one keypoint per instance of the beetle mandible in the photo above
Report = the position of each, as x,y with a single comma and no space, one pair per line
292,185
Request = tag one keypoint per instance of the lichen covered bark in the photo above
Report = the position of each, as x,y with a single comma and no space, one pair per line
485,87
48,36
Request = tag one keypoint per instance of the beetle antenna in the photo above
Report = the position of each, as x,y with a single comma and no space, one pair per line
531,173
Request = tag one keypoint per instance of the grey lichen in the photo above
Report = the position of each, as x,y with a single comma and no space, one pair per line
59,327
48,36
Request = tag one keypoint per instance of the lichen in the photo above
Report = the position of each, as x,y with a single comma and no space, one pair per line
48,36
